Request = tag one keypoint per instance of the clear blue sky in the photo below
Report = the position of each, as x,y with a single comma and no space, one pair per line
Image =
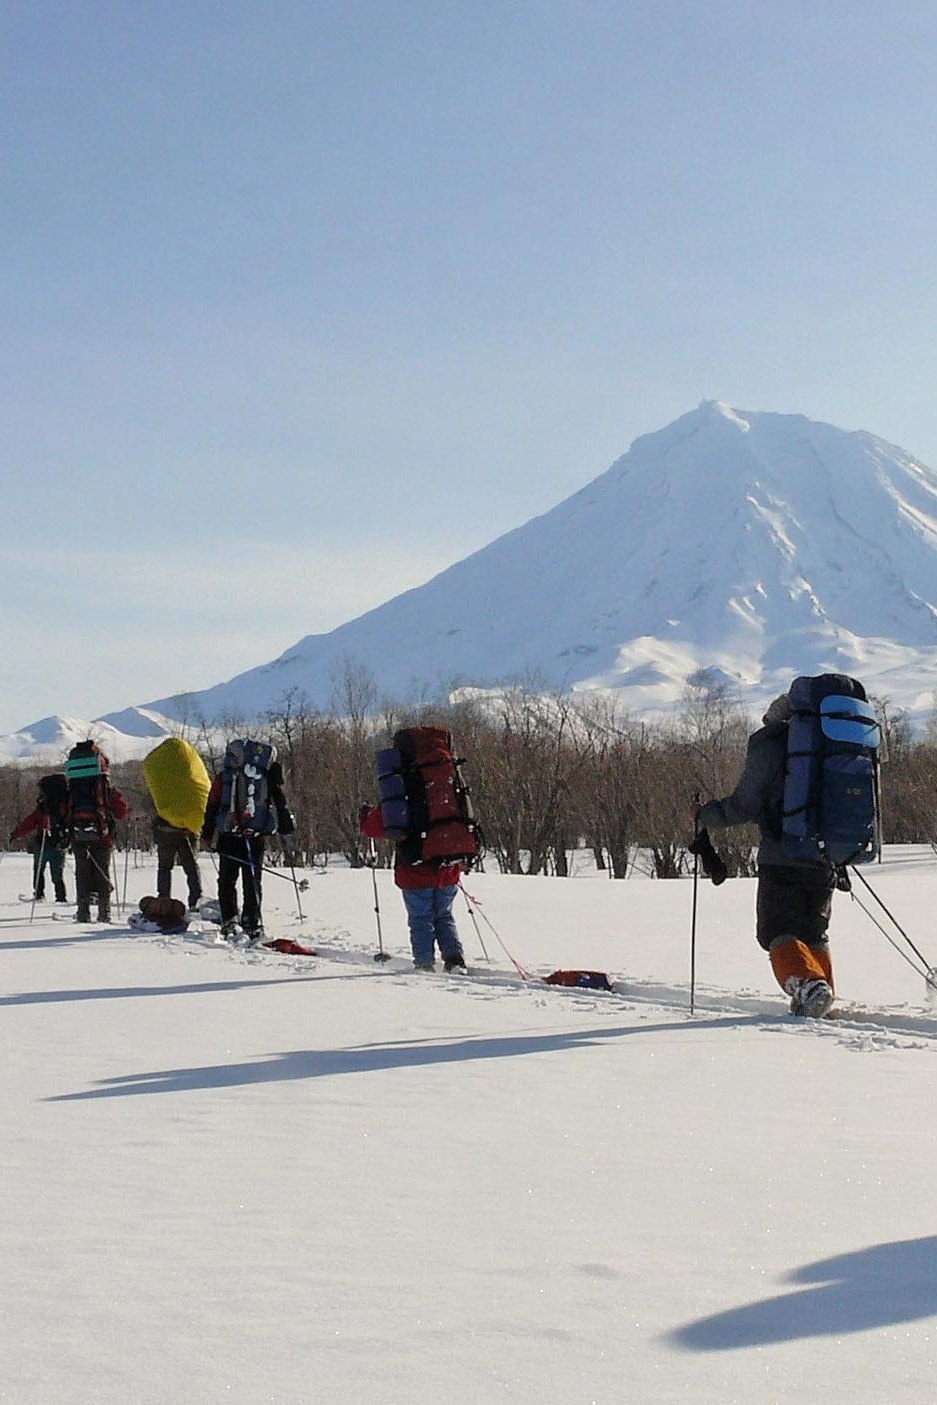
303,300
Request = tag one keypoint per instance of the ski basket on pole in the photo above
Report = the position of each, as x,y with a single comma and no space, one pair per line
830,809
425,803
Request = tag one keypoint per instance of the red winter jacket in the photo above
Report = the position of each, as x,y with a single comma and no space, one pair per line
412,875
37,820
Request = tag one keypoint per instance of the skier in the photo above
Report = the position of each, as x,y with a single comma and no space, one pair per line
238,834
178,784
794,899
428,890
94,807
46,833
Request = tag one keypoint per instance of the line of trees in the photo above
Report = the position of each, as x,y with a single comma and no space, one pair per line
550,774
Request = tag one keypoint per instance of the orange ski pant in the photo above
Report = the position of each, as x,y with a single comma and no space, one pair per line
792,957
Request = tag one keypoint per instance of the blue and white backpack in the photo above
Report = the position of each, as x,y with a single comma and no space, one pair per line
830,811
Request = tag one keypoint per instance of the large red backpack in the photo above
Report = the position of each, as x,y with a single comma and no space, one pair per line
425,803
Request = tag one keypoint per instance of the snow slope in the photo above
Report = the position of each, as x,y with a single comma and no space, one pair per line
244,1178
756,545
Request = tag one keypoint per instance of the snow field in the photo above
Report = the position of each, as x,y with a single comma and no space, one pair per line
237,1176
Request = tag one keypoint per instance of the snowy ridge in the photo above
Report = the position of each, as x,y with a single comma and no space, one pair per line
124,736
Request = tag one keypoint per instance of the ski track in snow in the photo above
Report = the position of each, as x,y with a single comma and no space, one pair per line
856,1027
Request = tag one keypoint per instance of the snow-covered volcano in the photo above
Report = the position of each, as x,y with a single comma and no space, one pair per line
755,545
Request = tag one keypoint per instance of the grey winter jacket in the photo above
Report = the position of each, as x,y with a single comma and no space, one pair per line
758,796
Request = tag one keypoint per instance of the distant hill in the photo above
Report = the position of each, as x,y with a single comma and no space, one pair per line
48,742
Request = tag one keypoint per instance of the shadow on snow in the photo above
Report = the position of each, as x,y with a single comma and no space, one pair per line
858,1292
374,1058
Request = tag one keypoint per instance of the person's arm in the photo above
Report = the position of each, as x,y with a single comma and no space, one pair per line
748,801
286,825
371,822
37,820
211,811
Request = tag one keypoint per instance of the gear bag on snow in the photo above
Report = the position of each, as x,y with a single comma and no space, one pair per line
425,803
178,783
165,914
89,815
580,980
830,810
246,806
53,802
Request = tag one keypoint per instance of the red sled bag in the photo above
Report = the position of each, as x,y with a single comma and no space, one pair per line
582,980
432,818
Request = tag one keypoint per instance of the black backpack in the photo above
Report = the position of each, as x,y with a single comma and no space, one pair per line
830,809
53,801
246,805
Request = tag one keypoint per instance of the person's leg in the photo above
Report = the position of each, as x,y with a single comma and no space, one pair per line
57,870
252,879
101,858
228,870
189,861
793,960
794,904
420,906
165,854
39,863
447,935
84,886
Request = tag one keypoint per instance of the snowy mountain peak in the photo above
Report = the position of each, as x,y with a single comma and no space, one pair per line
718,409
752,545
739,545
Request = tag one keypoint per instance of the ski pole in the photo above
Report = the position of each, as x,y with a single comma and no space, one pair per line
301,883
929,971
478,930
476,902
120,906
696,802
126,866
37,875
288,851
380,954
930,977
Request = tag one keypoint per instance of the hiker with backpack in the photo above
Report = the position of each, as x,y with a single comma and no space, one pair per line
94,807
46,831
425,808
246,803
179,787
810,784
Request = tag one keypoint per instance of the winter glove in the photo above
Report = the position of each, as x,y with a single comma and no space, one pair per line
713,866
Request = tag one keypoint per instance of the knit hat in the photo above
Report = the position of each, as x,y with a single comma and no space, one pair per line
779,710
